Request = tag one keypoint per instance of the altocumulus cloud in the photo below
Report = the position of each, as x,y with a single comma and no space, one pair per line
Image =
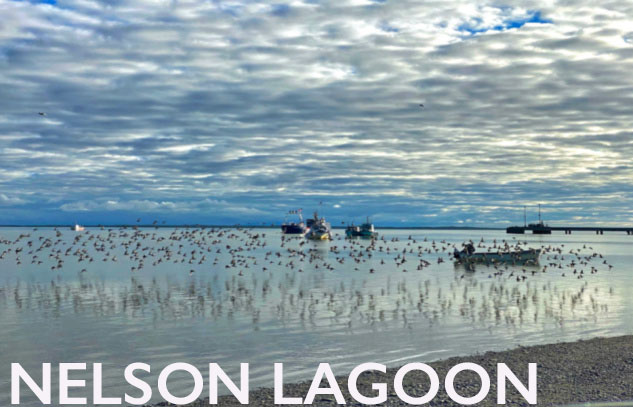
154,207
223,112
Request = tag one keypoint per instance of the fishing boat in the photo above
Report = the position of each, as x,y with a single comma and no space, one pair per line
294,228
77,228
365,230
540,228
319,229
469,255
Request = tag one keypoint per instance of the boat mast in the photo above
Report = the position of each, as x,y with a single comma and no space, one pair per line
524,216
539,214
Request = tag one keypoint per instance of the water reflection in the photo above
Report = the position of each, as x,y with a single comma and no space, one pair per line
232,294
240,286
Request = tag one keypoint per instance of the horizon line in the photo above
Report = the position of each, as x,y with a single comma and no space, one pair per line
226,226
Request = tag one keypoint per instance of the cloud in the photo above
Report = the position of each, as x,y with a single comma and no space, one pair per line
153,207
161,106
9,201
138,206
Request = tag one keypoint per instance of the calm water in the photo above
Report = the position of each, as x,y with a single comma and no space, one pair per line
234,296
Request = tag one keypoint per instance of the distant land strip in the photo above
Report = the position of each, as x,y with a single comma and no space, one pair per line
67,225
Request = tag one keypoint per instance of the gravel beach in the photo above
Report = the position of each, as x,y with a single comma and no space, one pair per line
599,369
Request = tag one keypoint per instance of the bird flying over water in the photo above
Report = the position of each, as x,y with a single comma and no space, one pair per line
41,113
421,105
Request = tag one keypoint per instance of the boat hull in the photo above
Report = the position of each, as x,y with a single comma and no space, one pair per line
319,236
293,229
518,257
367,235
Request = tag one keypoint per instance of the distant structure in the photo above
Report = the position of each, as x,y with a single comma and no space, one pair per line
540,228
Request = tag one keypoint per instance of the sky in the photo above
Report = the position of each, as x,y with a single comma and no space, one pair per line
237,111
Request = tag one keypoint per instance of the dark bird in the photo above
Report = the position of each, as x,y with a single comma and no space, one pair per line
421,105
41,113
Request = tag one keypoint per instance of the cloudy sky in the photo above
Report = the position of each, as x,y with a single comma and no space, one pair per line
211,111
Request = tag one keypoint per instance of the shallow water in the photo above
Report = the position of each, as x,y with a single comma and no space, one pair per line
308,306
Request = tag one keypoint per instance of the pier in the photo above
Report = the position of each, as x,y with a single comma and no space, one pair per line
541,229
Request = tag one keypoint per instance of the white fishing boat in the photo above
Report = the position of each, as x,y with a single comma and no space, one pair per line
319,229
77,228
469,255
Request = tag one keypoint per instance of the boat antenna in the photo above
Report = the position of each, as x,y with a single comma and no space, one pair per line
524,216
539,214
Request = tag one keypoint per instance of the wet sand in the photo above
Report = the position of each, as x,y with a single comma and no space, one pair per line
591,370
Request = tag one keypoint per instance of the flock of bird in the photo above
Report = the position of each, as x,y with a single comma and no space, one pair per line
257,275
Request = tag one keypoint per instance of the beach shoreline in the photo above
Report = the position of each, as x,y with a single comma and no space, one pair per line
598,369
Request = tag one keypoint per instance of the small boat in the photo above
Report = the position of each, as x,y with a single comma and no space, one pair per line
77,228
365,230
294,228
468,255
319,229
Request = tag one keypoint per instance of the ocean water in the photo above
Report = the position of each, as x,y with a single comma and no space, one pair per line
160,296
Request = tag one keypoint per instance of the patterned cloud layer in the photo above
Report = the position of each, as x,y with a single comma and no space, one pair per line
238,111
